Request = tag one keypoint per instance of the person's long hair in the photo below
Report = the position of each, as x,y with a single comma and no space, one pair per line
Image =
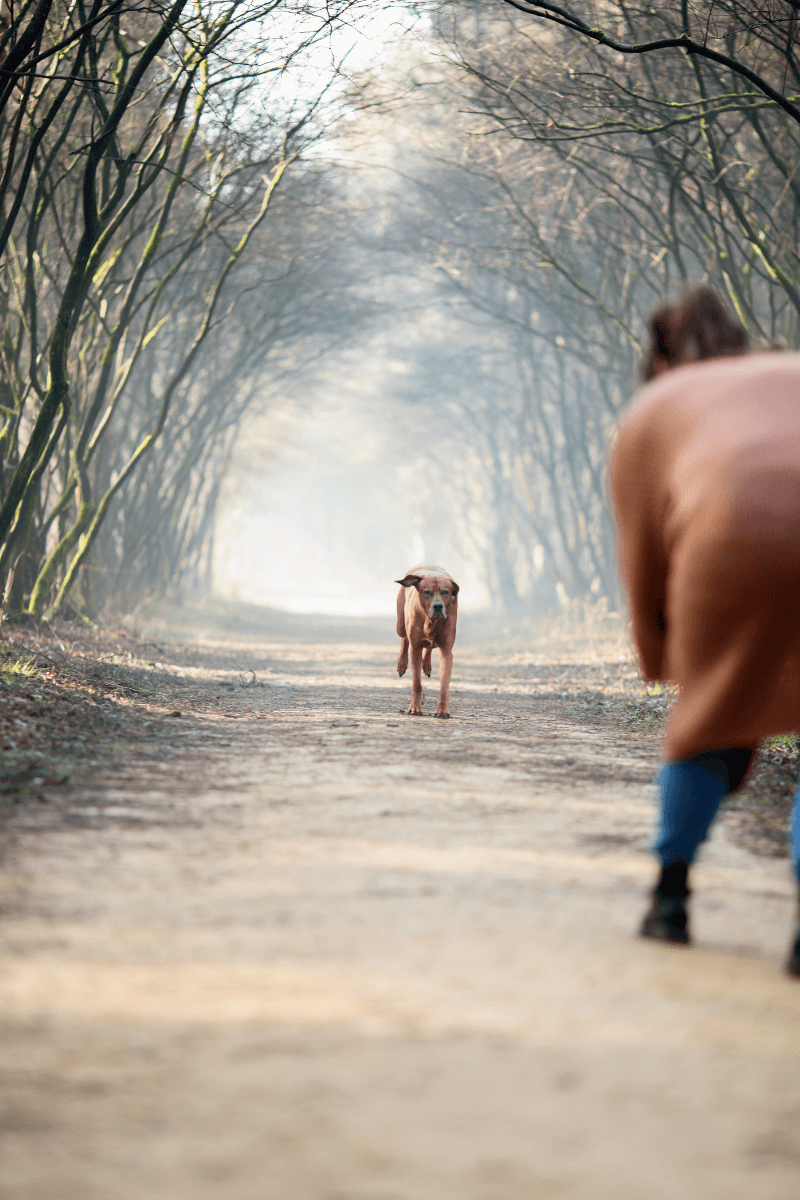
698,326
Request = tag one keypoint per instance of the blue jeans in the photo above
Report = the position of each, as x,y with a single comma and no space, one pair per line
794,832
692,790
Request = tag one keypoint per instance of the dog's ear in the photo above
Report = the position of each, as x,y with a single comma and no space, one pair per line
454,588
410,581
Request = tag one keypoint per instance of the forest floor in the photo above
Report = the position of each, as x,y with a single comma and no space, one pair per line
264,937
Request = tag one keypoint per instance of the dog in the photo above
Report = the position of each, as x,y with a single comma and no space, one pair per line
427,611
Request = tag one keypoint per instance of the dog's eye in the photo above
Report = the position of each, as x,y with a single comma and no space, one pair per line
445,593
428,593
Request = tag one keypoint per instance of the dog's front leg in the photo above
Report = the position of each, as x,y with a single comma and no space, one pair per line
416,680
402,661
445,669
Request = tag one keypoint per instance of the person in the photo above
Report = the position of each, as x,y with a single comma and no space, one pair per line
705,481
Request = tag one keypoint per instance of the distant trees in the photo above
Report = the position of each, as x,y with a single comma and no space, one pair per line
596,164
684,122
171,247
755,40
152,278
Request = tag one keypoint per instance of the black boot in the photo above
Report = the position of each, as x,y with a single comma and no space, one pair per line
666,919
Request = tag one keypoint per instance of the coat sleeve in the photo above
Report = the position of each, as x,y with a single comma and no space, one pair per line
642,554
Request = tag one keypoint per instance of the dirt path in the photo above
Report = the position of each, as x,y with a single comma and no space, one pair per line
306,948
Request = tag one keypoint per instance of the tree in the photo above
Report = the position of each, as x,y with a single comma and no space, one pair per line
753,41
155,177
575,189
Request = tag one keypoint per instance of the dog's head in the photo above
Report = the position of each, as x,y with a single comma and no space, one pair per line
436,592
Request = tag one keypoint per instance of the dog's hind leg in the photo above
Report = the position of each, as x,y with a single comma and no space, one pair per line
445,669
401,613
426,660
402,661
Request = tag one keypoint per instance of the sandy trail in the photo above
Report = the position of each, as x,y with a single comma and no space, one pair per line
323,951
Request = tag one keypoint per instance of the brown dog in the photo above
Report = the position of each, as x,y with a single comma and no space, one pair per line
427,611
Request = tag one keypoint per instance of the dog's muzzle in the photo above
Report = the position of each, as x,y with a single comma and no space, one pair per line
437,610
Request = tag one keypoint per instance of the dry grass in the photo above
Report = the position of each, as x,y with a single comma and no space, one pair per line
66,703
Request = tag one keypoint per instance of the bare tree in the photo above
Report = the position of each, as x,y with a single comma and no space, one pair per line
141,207
577,186
755,41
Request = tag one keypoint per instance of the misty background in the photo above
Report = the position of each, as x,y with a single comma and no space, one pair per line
294,296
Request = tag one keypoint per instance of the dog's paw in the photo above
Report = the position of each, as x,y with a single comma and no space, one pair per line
414,712
401,671
442,716
427,673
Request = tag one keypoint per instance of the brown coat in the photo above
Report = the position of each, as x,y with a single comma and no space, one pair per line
705,477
